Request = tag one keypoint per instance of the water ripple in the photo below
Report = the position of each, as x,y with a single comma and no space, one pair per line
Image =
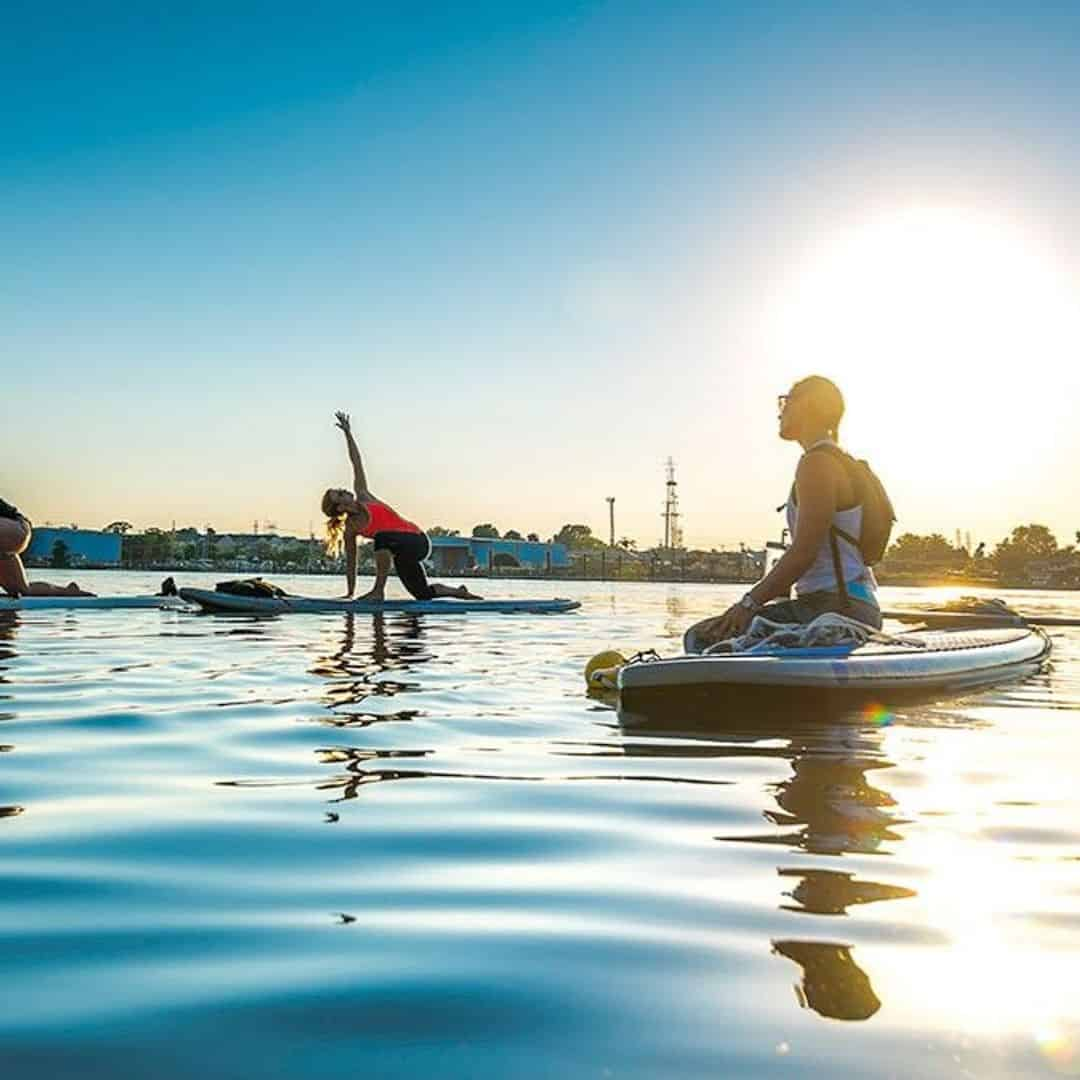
278,847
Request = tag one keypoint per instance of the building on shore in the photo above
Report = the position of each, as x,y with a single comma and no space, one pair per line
73,547
459,554
187,548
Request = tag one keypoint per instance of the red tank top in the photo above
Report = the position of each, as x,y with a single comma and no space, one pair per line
381,518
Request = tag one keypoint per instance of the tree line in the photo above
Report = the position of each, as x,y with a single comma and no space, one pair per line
1029,555
577,537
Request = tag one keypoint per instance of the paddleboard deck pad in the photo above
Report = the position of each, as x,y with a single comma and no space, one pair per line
211,600
937,664
86,603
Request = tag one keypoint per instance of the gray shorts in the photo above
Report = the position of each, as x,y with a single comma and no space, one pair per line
806,608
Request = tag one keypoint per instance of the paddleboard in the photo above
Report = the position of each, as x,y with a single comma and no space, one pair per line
210,600
943,620
86,603
937,664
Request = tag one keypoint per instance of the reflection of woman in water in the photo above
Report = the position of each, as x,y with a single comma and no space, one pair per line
833,984
838,809
356,513
15,533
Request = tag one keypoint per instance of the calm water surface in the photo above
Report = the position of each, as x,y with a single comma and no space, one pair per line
410,846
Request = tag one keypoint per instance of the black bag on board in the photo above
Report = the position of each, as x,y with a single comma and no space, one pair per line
250,587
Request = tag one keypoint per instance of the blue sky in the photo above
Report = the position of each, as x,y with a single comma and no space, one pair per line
533,252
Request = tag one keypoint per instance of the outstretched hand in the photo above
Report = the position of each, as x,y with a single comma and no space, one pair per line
343,421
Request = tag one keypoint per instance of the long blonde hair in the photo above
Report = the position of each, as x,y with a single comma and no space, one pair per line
335,524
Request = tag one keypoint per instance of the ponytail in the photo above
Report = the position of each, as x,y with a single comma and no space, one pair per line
335,535
335,524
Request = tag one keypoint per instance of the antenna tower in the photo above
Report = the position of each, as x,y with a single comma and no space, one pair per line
672,528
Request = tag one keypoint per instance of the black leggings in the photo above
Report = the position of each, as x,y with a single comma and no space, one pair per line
409,551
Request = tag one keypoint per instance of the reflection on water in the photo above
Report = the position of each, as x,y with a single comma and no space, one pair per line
353,670
831,803
676,622
833,985
359,772
354,718
569,891
827,806
9,622
831,892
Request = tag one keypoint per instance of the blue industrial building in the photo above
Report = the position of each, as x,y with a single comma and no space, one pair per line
454,554
85,547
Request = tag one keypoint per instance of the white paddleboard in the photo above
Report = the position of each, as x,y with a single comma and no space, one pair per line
211,600
945,662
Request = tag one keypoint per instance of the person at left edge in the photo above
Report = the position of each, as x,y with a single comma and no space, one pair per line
15,533
398,542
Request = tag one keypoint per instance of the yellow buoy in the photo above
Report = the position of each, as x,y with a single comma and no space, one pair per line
600,669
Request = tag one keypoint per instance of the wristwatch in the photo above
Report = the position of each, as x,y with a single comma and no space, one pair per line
748,602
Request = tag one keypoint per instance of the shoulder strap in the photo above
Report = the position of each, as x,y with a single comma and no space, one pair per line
834,532
838,568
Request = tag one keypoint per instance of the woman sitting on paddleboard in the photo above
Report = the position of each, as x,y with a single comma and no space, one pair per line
825,515
352,514
15,533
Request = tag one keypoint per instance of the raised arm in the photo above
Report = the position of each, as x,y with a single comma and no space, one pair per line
359,479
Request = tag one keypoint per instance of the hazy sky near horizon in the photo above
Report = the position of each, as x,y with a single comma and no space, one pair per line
535,251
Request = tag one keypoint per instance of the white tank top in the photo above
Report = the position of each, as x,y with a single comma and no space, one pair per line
858,577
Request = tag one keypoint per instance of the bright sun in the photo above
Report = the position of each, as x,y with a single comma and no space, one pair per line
956,331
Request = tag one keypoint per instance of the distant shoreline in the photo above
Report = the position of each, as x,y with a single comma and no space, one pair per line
904,580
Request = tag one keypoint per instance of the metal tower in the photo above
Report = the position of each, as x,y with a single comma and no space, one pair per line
611,517
672,528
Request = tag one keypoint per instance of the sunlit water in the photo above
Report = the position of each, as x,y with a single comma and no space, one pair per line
411,846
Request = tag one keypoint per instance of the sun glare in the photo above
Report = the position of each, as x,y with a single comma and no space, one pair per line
958,329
